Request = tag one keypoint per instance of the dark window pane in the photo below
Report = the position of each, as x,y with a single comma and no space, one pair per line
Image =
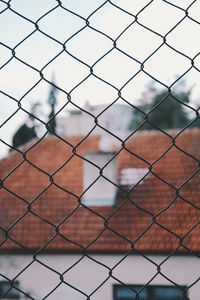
167,293
123,293
5,287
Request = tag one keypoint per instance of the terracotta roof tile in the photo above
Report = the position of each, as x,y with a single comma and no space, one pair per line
40,199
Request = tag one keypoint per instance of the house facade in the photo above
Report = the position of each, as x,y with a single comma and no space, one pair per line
89,277
82,221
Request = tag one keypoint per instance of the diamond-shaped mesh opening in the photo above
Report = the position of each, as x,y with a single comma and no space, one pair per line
99,148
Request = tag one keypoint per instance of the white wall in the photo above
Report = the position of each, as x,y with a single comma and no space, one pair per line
88,275
116,119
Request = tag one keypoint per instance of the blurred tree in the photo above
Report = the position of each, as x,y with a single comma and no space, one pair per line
163,111
29,129
26,133
52,101
23,135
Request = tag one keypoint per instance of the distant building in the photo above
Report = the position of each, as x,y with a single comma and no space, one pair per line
115,119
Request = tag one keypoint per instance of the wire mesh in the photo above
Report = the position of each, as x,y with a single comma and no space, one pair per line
19,207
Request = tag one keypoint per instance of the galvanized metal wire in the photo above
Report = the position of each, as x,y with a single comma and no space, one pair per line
8,7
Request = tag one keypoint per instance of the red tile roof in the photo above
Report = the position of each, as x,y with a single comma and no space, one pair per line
41,206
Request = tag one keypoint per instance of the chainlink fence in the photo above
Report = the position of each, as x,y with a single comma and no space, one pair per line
55,243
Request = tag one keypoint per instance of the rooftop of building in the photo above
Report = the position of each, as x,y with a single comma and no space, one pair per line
42,207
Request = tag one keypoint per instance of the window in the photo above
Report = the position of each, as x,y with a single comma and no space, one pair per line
102,192
5,287
151,292
131,176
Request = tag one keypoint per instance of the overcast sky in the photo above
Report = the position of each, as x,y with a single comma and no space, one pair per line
88,46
